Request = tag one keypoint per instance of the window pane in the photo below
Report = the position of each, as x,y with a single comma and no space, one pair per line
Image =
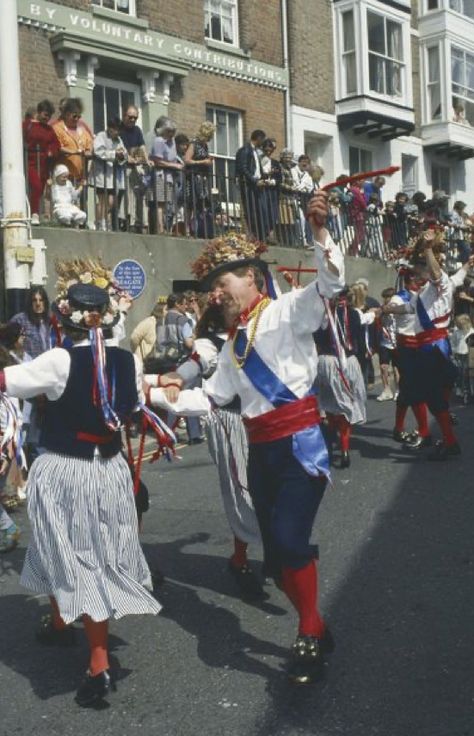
221,133
351,73
376,32
433,64
376,74
354,165
393,80
112,103
394,40
432,4
348,31
457,66
126,99
234,140
365,160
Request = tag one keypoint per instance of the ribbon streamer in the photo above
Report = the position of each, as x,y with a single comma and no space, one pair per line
101,384
11,438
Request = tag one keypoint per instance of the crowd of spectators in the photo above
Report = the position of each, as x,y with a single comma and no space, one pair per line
111,179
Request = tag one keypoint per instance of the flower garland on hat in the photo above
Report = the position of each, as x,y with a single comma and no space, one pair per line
87,271
225,249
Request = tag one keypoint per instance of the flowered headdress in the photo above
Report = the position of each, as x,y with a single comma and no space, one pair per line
75,313
228,253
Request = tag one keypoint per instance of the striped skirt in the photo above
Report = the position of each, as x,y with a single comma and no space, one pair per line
227,442
85,549
335,397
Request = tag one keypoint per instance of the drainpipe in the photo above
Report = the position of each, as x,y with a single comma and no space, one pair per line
14,221
286,66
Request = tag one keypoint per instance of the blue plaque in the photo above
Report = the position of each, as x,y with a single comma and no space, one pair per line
131,277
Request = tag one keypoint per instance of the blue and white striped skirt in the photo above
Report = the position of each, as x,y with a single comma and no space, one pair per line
228,446
85,549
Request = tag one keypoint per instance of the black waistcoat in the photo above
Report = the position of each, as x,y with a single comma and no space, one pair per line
74,412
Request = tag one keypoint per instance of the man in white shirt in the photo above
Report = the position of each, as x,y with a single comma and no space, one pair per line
270,362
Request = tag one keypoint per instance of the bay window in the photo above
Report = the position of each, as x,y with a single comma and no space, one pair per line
462,85
465,7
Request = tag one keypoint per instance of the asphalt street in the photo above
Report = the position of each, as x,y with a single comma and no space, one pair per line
397,559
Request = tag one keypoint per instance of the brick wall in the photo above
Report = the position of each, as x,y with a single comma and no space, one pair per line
311,54
262,107
41,75
259,24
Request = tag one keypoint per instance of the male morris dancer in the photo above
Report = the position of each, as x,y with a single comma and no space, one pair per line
429,370
271,363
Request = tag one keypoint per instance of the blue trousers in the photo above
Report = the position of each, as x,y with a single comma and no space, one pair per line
286,499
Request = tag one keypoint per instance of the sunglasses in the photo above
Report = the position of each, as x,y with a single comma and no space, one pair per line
132,117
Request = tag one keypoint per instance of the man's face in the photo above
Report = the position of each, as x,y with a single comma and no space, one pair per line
233,292
181,307
304,165
130,118
37,302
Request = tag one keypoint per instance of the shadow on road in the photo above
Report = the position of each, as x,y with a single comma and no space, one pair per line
402,617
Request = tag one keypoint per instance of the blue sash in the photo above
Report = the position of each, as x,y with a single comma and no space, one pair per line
427,323
309,447
404,295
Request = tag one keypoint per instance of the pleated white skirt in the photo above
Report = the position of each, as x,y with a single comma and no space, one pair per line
228,446
336,398
85,549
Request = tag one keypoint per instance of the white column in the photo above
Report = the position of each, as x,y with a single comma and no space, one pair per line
14,223
166,82
70,59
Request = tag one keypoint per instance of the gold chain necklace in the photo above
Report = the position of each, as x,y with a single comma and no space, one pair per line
256,314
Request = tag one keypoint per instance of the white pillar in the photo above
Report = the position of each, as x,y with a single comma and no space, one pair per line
14,224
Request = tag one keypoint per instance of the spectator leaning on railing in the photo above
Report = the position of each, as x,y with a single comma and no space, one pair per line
74,138
165,158
107,173
138,170
42,148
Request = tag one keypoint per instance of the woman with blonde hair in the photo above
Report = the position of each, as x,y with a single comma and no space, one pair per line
198,163
357,296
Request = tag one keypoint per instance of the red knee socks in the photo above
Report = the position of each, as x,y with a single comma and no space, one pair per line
97,633
301,587
239,558
421,415
400,414
58,622
344,432
444,421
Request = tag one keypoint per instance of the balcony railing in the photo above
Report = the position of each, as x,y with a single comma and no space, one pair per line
144,200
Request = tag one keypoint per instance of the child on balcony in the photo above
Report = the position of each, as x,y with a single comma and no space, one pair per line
64,197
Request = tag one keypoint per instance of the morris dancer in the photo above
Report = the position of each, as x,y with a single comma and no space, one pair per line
405,326
270,362
429,369
340,381
84,554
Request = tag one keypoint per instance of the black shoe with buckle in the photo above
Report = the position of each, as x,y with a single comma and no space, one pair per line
249,585
93,689
345,459
444,452
416,441
400,436
48,635
307,661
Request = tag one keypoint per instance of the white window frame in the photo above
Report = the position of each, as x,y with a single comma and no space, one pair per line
462,97
218,5
462,8
360,8
401,63
126,87
229,195
411,187
132,8
349,55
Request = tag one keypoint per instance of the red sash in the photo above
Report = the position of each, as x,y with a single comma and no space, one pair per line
96,439
427,337
283,421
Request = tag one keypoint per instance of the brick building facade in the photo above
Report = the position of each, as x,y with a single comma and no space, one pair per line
377,83
190,60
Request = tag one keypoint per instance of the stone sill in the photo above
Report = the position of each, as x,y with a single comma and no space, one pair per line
116,16
227,48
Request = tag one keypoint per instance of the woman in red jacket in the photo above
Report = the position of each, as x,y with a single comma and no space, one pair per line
42,147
